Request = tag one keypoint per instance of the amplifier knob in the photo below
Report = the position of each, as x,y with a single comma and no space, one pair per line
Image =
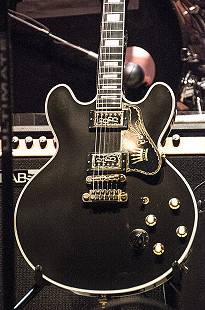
43,142
15,142
54,142
176,140
29,142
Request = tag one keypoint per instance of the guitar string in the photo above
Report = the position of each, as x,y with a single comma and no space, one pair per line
99,98
102,91
110,70
112,139
105,101
107,71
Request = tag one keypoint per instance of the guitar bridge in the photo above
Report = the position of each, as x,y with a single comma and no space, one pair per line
103,195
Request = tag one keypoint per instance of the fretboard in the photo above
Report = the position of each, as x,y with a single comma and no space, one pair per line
111,52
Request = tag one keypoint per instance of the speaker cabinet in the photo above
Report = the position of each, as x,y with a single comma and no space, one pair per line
193,282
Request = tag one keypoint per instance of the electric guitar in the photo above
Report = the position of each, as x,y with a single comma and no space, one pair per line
108,214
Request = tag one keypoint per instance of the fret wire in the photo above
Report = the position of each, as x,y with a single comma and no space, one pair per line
118,30
109,84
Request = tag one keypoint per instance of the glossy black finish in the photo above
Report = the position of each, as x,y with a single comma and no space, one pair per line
88,248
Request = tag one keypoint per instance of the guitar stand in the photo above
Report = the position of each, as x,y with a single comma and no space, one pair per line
103,301
38,286
173,287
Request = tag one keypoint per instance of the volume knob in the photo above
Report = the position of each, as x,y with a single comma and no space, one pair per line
139,239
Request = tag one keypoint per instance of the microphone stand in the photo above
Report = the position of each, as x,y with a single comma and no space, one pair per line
32,23
7,232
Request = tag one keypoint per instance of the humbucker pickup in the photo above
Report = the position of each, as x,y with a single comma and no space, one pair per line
109,119
107,162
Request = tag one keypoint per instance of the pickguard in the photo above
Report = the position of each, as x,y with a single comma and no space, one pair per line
143,155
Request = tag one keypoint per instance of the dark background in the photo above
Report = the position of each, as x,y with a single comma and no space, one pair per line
39,63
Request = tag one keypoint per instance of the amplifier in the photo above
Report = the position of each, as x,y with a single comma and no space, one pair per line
52,297
30,154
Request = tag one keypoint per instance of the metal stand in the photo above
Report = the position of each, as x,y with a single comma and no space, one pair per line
173,291
173,287
38,286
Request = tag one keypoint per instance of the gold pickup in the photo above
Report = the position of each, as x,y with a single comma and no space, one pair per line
109,119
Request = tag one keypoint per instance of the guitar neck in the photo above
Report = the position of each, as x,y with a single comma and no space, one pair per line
111,54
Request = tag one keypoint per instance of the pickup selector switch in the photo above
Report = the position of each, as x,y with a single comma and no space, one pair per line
139,239
145,200
29,142
43,142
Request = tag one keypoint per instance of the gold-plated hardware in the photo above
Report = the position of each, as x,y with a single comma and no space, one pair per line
174,203
151,220
182,231
145,200
105,178
86,197
158,248
103,301
103,195
163,156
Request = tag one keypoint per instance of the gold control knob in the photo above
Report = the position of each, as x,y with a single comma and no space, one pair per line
174,203
151,220
182,231
158,248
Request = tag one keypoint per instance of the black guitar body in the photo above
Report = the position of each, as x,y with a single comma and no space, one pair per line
88,247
